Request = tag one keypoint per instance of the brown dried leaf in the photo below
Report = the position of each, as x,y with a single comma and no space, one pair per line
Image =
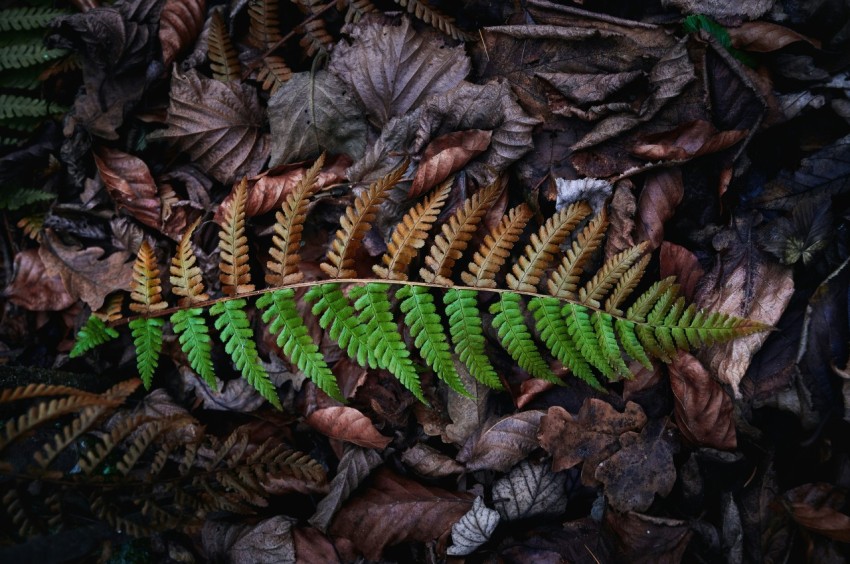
312,547
589,88
503,443
621,219
355,465
347,424
816,508
683,264
644,539
468,414
687,141
446,155
662,192
394,509
704,411
236,395
530,389
33,288
268,541
180,23
220,125
429,462
129,182
764,37
530,490
723,9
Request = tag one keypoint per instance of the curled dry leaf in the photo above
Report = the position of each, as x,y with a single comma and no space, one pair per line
354,466
686,141
179,25
621,217
589,88
646,539
393,510
704,411
764,37
530,389
429,462
268,541
33,288
129,182
235,395
347,424
816,508
662,192
530,490
504,443
683,264
473,529
446,155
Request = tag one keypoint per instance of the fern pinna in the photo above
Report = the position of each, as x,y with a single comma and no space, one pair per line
578,314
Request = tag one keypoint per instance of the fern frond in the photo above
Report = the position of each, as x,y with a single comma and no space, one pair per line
357,9
147,337
273,73
223,60
496,248
281,314
21,19
12,106
539,253
186,278
465,327
238,337
96,455
563,282
191,329
373,304
603,325
628,282
16,198
631,343
425,326
581,332
611,273
316,37
515,337
81,423
264,26
552,328
23,55
92,334
434,17
337,316
409,235
355,223
452,241
288,227
147,290
234,270
32,225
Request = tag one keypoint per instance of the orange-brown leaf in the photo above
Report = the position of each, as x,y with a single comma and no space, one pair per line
446,155
33,288
816,508
234,272
662,192
147,291
186,278
704,411
129,182
180,24
763,37
347,424
686,141
496,248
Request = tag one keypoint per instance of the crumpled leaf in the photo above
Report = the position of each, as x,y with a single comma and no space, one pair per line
722,9
662,192
645,539
473,529
235,395
468,414
446,155
392,68
84,273
686,141
530,490
129,182
33,288
429,462
764,37
594,191
704,411
180,24
268,541
816,508
621,219
347,424
390,149
309,114
394,509
355,465
683,264
642,468
219,125
589,88
503,443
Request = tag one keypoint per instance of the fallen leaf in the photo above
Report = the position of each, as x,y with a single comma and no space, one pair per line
662,192
590,87
816,508
473,529
129,182
723,9
686,141
347,424
219,124
392,68
704,411
503,443
530,490
179,25
429,462
234,395
683,264
645,539
446,155
468,414
355,465
268,541
530,389
621,219
394,510
312,547
33,288
594,191
764,37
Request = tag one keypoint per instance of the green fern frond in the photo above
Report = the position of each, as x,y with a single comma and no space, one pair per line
19,19
147,337
631,343
28,78
465,327
603,325
191,329
337,316
552,328
12,106
580,330
16,198
92,334
281,315
515,337
22,55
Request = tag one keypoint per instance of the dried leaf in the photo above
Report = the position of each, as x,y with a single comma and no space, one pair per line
218,124
589,88
355,466
392,68
312,547
268,541
312,113
393,510
662,192
429,462
816,508
722,9
468,414
33,288
683,264
530,490
504,443
764,37
473,529
593,191
704,411
645,539
129,182
179,25
621,219
686,141
347,424
235,395
446,155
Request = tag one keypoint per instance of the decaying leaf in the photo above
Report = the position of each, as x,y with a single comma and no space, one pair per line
504,442
662,192
347,424
686,141
179,25
429,462
473,529
129,182
468,414
594,191
763,37
33,288
355,466
235,395
446,155
621,218
816,508
704,411
683,264
587,88
649,540
268,541
530,490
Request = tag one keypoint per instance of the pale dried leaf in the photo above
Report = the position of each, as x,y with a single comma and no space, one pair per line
33,288
355,466
530,490
594,191
504,443
347,424
722,9
589,88
473,529
235,395
446,155
268,541
429,462
468,414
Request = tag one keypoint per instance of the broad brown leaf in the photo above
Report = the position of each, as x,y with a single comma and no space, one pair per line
645,539
268,541
355,465
683,264
179,25
312,547
763,37
704,411
219,125
530,490
687,141
347,424
446,155
503,443
816,508
394,509
33,288
662,192
129,182
590,87
429,462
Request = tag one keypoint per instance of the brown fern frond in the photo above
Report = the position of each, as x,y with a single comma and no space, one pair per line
31,225
264,25
146,437
147,291
41,390
186,278
234,273
289,224
18,513
491,256
626,285
111,310
82,423
95,456
113,515
434,17
273,73
540,252
223,60
449,245
316,37
357,9
563,282
355,223
610,273
409,235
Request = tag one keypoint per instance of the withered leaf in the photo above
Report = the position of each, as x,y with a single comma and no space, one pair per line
589,88
473,529
662,192
621,218
129,182
347,424
704,411
235,395
268,541
686,141
446,155
392,67
763,37
530,490
394,509
429,462
218,124
642,468
33,288
594,191
504,443
816,508
683,264
354,466
468,414
646,539
179,25
312,113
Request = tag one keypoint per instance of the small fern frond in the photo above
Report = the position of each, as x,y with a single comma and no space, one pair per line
434,17
288,227
234,270
626,285
603,325
186,279
12,106
264,25
465,327
191,329
449,245
147,337
409,235
92,334
147,290
515,337
273,73
281,315
22,19
337,316
357,9
580,331
496,248
355,223
23,55
223,60
553,331
564,281
611,273
14,199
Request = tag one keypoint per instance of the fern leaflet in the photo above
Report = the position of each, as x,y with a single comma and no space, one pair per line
516,338
467,334
337,316
93,333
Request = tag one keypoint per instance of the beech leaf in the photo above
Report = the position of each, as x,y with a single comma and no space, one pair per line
354,466
473,529
686,141
129,182
530,490
704,411
347,424
429,462
662,192
505,442
268,541
446,155
33,288
180,24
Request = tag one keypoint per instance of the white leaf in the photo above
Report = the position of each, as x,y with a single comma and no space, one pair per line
473,529
530,490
